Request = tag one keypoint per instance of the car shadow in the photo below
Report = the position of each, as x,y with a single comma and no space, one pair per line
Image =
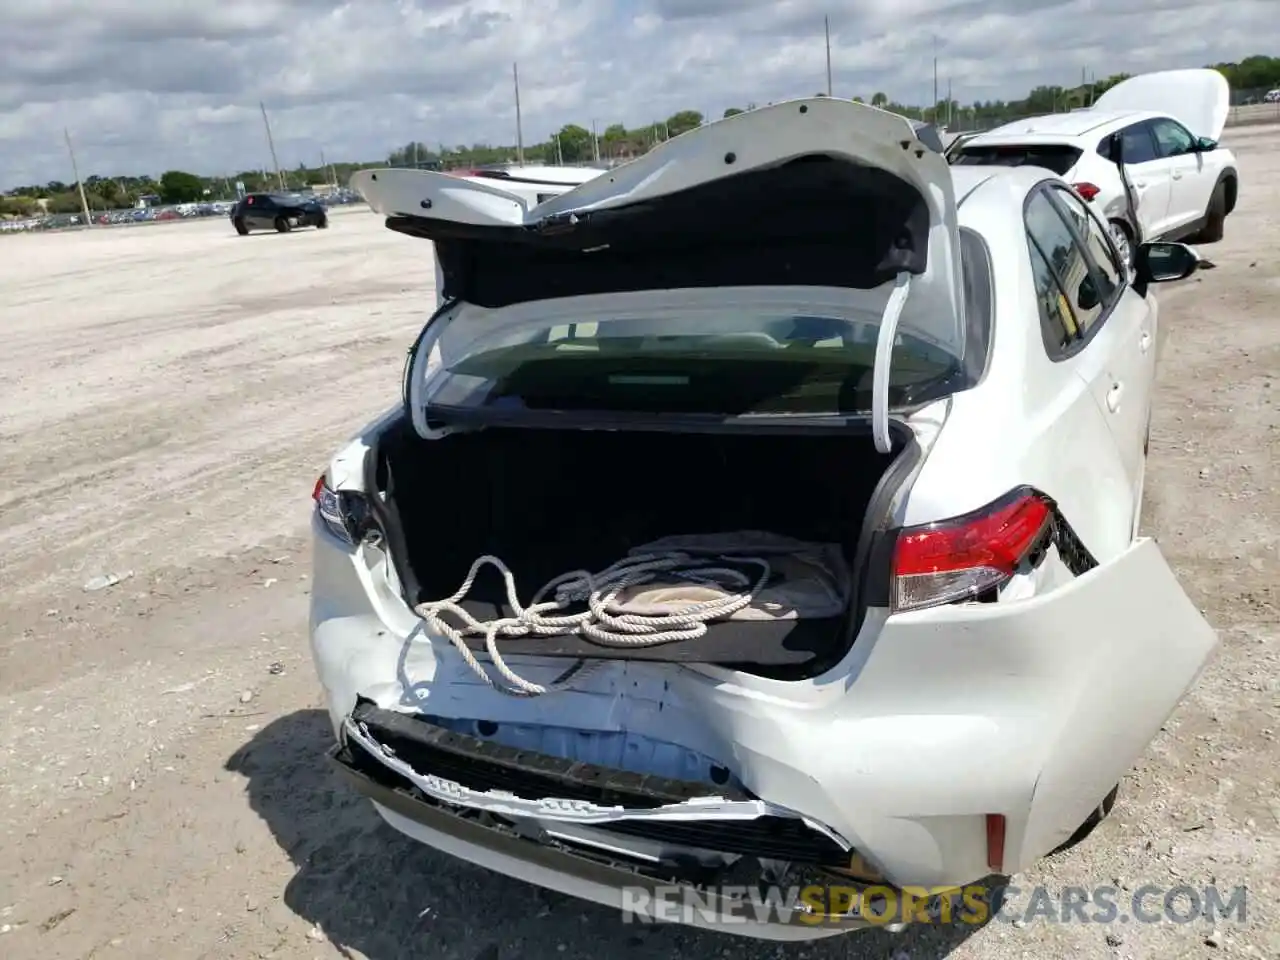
377,894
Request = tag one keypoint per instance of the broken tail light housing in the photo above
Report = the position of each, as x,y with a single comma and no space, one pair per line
1087,190
344,513
963,558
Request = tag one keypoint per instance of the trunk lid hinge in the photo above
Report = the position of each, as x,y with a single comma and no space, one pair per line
884,354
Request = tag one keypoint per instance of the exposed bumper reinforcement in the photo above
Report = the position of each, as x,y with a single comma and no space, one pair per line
609,882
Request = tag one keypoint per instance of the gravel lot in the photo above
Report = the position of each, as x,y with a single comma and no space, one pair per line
167,397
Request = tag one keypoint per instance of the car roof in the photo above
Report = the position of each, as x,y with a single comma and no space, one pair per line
984,193
1060,126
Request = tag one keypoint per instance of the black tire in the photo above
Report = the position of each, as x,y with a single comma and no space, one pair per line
1215,218
1091,823
322,223
283,225
240,226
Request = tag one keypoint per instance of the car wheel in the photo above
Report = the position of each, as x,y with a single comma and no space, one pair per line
322,223
1215,217
1123,239
241,227
1091,822
283,225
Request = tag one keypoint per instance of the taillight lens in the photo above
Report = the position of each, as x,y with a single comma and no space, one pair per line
1087,190
344,513
962,558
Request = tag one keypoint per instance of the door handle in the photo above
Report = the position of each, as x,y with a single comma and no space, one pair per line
1144,342
1140,184
1113,396
1177,174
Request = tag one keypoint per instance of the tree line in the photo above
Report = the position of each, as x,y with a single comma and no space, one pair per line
571,144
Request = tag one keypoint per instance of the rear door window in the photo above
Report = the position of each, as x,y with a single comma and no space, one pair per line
1083,294
1101,252
1056,157
1136,144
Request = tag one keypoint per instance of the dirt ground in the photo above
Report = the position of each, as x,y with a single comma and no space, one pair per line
167,398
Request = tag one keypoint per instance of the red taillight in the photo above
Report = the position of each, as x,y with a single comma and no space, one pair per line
1087,190
318,489
962,558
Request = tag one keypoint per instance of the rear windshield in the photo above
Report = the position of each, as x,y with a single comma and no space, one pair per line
729,361
1058,158
761,363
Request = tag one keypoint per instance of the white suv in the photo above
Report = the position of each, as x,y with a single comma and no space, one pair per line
1173,180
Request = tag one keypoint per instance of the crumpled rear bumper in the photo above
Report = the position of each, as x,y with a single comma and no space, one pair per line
939,721
643,892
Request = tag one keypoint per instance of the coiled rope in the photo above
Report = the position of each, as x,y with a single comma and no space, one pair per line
605,621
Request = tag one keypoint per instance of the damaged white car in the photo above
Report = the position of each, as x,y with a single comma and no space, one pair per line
766,506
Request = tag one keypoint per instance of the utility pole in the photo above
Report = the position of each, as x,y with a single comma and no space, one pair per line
935,79
559,152
271,143
75,169
515,79
595,142
949,103
826,28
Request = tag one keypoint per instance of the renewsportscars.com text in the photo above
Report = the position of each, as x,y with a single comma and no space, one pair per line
974,904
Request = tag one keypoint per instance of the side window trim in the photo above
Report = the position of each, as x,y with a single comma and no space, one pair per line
1081,339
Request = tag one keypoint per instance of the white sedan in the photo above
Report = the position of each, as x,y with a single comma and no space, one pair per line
830,457
1145,154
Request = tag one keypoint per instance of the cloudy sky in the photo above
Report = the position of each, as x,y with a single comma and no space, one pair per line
149,85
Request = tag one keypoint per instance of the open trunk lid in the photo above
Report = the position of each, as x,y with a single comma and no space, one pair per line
1200,99
817,194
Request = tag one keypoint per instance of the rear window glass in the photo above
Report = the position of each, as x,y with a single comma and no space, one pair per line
761,363
1058,158
716,360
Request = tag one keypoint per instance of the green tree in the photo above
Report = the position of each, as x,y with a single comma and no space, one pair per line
178,186
575,143
733,112
683,122
879,99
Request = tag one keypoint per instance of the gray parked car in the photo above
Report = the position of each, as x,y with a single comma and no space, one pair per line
277,211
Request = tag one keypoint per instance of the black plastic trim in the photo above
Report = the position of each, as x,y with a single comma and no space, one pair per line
497,837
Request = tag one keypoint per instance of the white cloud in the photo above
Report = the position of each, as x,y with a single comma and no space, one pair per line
148,85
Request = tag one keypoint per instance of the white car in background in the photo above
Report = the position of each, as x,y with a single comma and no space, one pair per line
858,440
1176,182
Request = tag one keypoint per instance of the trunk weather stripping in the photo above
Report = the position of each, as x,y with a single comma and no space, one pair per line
884,353
571,810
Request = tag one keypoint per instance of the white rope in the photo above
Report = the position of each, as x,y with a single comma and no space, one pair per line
605,620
